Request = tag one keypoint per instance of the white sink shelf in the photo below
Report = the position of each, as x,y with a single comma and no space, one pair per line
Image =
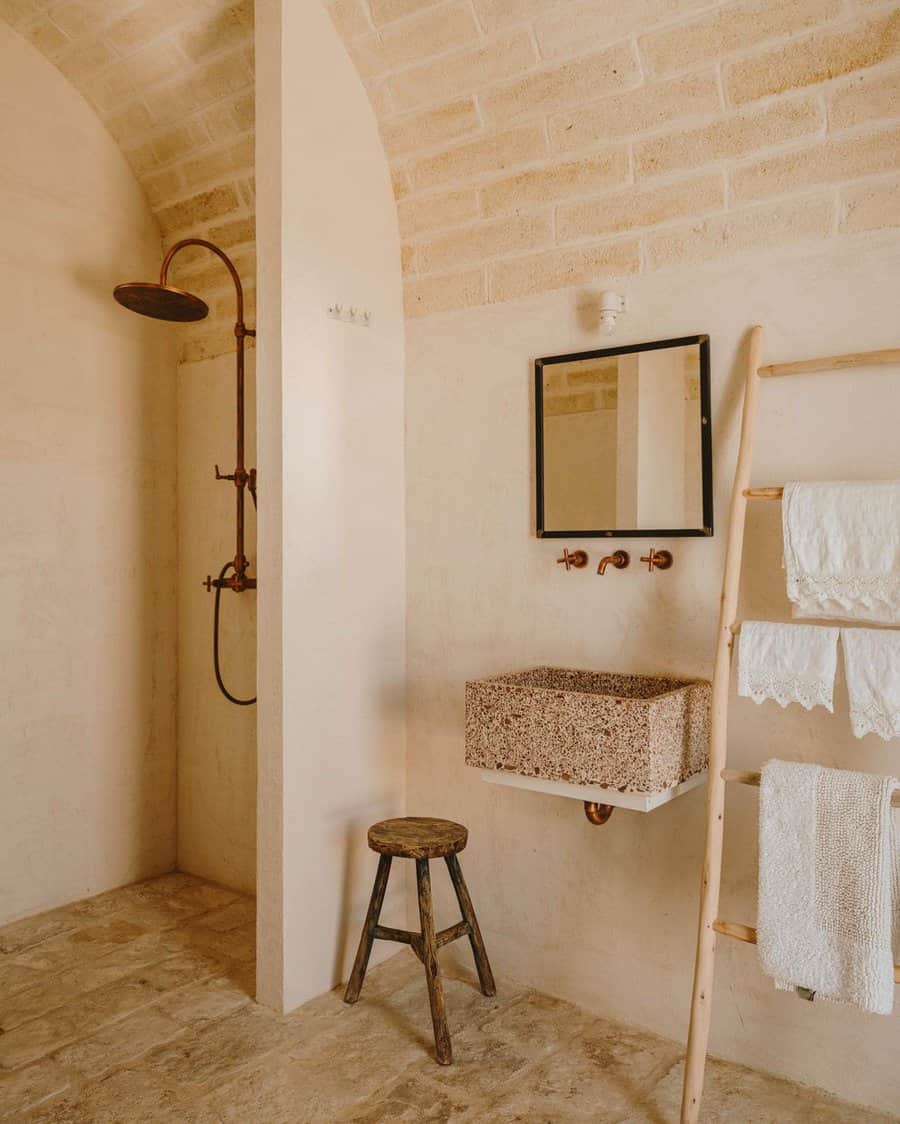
634,801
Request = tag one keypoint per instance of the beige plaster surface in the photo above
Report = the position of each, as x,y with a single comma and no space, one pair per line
87,448
609,914
136,1005
330,399
216,739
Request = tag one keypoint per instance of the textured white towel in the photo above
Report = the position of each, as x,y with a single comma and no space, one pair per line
872,664
787,663
828,874
842,550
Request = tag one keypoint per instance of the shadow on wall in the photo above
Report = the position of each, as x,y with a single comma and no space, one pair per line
353,825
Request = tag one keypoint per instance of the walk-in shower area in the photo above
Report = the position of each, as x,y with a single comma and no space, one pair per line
149,737
128,646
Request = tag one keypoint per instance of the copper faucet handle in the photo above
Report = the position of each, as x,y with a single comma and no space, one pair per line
208,582
222,475
578,559
657,559
619,559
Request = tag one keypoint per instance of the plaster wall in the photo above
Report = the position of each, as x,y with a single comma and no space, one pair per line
610,913
331,407
87,445
216,739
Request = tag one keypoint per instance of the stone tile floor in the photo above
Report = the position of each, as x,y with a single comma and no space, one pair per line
135,1006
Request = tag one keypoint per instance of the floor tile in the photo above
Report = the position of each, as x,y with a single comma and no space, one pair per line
134,1007
604,1070
216,1052
29,1087
16,977
204,1001
128,1096
410,1100
733,1092
120,1043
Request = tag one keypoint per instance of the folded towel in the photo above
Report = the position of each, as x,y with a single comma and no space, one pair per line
787,663
842,550
872,664
828,866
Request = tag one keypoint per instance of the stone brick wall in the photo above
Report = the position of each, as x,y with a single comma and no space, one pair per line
535,144
541,144
172,80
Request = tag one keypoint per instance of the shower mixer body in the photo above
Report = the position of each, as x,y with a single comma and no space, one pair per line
165,302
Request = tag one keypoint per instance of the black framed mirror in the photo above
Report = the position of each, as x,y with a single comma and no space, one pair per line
624,441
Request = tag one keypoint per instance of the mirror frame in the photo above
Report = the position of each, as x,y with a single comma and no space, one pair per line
706,530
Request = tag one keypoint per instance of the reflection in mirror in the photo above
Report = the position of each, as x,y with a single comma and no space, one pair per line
623,441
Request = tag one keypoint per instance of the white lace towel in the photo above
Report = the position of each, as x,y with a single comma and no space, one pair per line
842,550
872,664
828,872
787,663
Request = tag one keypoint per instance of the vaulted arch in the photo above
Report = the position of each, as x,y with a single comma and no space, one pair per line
535,144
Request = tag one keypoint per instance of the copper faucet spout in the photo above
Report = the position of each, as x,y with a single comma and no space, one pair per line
620,560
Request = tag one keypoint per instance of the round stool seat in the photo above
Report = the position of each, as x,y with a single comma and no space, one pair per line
415,837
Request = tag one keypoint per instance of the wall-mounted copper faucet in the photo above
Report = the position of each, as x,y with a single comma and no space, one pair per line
578,559
620,560
658,559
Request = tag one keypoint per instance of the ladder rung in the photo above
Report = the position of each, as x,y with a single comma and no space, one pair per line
763,493
747,934
832,363
740,776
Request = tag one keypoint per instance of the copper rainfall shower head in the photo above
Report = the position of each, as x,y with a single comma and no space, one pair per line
162,302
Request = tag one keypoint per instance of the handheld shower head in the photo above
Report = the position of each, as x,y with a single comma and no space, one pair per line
161,302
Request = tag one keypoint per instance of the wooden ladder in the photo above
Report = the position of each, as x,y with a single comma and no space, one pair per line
710,925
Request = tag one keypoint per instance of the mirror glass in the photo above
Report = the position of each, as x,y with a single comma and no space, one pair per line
623,441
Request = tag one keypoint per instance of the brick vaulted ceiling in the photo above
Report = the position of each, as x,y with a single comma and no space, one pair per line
534,144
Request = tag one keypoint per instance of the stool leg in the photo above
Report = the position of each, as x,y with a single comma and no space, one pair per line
429,959
485,975
367,939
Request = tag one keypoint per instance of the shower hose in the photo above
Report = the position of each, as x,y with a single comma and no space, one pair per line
228,695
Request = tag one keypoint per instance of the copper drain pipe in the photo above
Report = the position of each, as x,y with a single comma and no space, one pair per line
598,814
163,301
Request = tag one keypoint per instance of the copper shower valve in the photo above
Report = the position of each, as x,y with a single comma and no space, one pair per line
578,559
658,559
620,560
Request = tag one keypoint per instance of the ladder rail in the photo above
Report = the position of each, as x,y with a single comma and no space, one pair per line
701,999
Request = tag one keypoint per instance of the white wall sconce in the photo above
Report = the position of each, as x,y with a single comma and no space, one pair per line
610,305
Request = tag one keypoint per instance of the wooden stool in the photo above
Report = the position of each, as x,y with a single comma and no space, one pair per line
422,839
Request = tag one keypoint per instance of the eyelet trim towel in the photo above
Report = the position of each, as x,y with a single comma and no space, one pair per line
842,550
787,663
872,664
829,868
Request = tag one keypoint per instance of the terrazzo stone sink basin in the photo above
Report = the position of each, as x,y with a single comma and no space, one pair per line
630,733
